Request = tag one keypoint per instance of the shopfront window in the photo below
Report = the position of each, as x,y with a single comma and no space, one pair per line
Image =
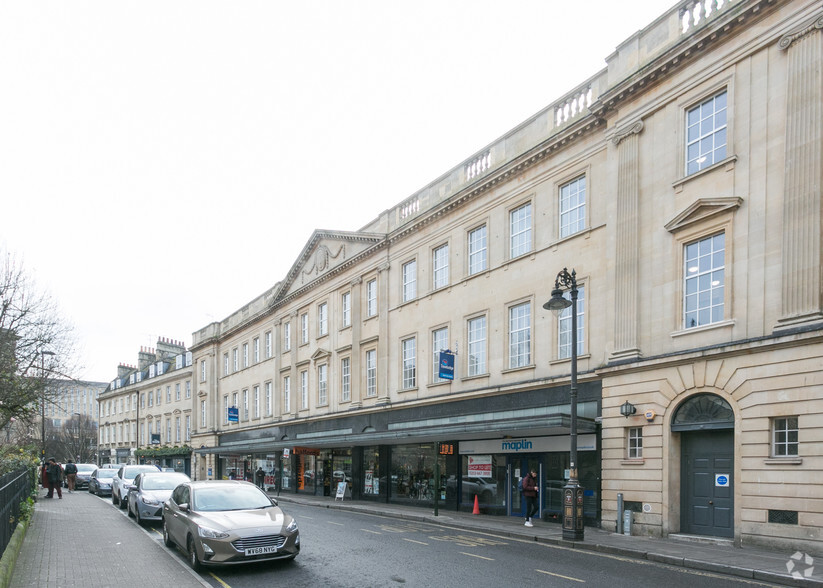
372,482
483,476
341,468
412,472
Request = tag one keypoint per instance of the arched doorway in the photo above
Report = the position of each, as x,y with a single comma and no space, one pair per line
706,425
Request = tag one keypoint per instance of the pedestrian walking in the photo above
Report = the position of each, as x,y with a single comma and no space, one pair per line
530,491
54,474
71,475
261,476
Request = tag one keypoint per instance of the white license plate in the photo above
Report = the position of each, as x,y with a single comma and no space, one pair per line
260,550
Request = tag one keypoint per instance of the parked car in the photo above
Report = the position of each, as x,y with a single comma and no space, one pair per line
112,466
125,475
84,472
225,522
100,481
149,491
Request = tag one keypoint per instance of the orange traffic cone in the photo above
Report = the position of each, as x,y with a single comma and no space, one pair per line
476,505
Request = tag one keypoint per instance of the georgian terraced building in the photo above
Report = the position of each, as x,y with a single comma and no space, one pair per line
146,412
682,184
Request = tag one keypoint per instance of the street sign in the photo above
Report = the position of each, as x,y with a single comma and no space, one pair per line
446,363
234,414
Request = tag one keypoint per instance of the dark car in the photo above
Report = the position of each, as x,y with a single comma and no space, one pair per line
100,481
225,522
149,491
84,472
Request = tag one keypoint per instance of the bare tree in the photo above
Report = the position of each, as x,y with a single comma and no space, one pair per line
77,440
36,345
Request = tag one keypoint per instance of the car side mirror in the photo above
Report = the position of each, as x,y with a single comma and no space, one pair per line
184,507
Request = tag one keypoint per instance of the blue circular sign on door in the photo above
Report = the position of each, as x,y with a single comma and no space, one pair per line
721,480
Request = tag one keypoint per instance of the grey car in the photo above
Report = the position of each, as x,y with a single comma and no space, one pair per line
125,475
149,491
100,481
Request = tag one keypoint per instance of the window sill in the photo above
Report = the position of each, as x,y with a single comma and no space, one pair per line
442,382
728,163
475,377
568,359
404,390
518,369
783,461
633,462
704,328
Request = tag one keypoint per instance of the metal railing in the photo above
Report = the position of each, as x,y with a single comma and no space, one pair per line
15,488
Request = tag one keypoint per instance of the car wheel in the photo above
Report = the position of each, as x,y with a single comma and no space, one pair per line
166,537
114,500
191,550
128,510
122,503
90,490
137,516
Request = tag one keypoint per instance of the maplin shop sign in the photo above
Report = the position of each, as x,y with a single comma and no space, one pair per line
587,442
522,445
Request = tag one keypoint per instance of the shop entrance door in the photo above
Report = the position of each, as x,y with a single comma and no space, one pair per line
519,466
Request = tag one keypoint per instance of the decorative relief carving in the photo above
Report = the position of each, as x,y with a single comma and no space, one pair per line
634,128
322,258
815,24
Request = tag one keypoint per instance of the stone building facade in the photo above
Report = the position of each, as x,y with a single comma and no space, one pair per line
682,184
145,413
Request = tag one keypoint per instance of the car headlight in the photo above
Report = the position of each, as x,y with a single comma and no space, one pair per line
207,533
292,526
150,501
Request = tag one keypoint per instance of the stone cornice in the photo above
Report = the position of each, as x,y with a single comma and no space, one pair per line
714,32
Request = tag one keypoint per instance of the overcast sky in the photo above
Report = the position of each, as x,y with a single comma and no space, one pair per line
163,163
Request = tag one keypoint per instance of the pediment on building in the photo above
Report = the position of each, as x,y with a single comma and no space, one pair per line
325,252
701,210
320,355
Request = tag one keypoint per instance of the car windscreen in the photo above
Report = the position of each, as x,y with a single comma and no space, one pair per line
227,497
106,473
130,473
163,482
82,467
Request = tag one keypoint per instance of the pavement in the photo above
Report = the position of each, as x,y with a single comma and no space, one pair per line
74,542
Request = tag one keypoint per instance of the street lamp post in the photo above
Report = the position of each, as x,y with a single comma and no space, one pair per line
43,355
572,491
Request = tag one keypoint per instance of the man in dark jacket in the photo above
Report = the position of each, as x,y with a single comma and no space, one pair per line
530,491
54,473
71,475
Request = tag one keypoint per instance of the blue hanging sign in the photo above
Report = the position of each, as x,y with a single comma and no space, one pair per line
446,363
234,414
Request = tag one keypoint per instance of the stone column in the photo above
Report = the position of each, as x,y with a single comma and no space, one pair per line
355,359
383,344
803,176
627,260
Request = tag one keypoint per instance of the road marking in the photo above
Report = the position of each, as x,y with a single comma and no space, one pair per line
561,576
333,523
413,541
477,556
222,583
370,531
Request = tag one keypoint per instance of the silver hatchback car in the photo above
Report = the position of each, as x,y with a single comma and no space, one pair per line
224,522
